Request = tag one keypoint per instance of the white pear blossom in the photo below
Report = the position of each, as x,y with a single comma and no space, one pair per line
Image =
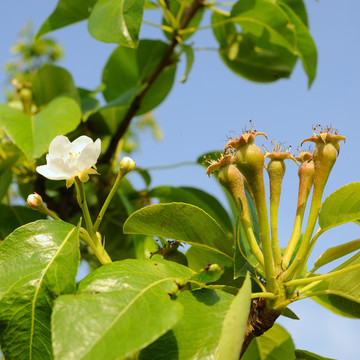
66,159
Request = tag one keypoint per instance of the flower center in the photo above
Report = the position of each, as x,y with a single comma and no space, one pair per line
74,155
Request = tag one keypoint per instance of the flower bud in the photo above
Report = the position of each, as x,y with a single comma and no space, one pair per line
126,165
35,200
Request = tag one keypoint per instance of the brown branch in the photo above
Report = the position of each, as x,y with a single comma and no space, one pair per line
165,61
260,319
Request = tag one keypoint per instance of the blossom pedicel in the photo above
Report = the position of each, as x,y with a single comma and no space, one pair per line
66,159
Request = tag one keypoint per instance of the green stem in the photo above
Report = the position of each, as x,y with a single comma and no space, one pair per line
48,212
91,238
81,198
305,185
258,190
300,259
254,246
98,249
267,295
321,277
107,201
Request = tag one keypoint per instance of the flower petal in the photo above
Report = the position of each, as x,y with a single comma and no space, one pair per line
50,173
89,156
64,166
59,146
78,145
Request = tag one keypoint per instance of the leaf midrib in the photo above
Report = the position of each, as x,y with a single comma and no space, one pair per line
116,319
33,305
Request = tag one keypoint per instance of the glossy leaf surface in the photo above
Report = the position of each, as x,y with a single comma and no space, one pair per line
117,21
341,206
198,198
67,12
39,262
181,222
119,309
196,335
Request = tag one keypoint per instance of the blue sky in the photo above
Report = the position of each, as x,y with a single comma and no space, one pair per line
198,115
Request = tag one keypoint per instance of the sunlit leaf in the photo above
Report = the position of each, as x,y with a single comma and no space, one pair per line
341,294
33,137
117,21
196,335
275,344
181,222
39,262
128,305
67,12
234,325
341,206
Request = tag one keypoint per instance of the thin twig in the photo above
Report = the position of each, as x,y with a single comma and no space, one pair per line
165,61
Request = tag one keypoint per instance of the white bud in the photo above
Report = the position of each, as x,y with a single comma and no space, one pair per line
127,164
34,200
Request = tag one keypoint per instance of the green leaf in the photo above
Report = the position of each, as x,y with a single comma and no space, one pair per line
264,17
61,116
275,344
51,81
234,325
200,257
114,112
67,12
341,293
189,53
5,182
128,304
298,7
305,46
13,217
89,103
340,207
307,355
209,273
336,252
196,335
117,21
198,198
10,119
289,314
252,57
36,132
128,68
39,262
181,222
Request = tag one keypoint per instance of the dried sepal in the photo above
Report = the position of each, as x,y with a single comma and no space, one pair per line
221,161
247,137
326,135
279,152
